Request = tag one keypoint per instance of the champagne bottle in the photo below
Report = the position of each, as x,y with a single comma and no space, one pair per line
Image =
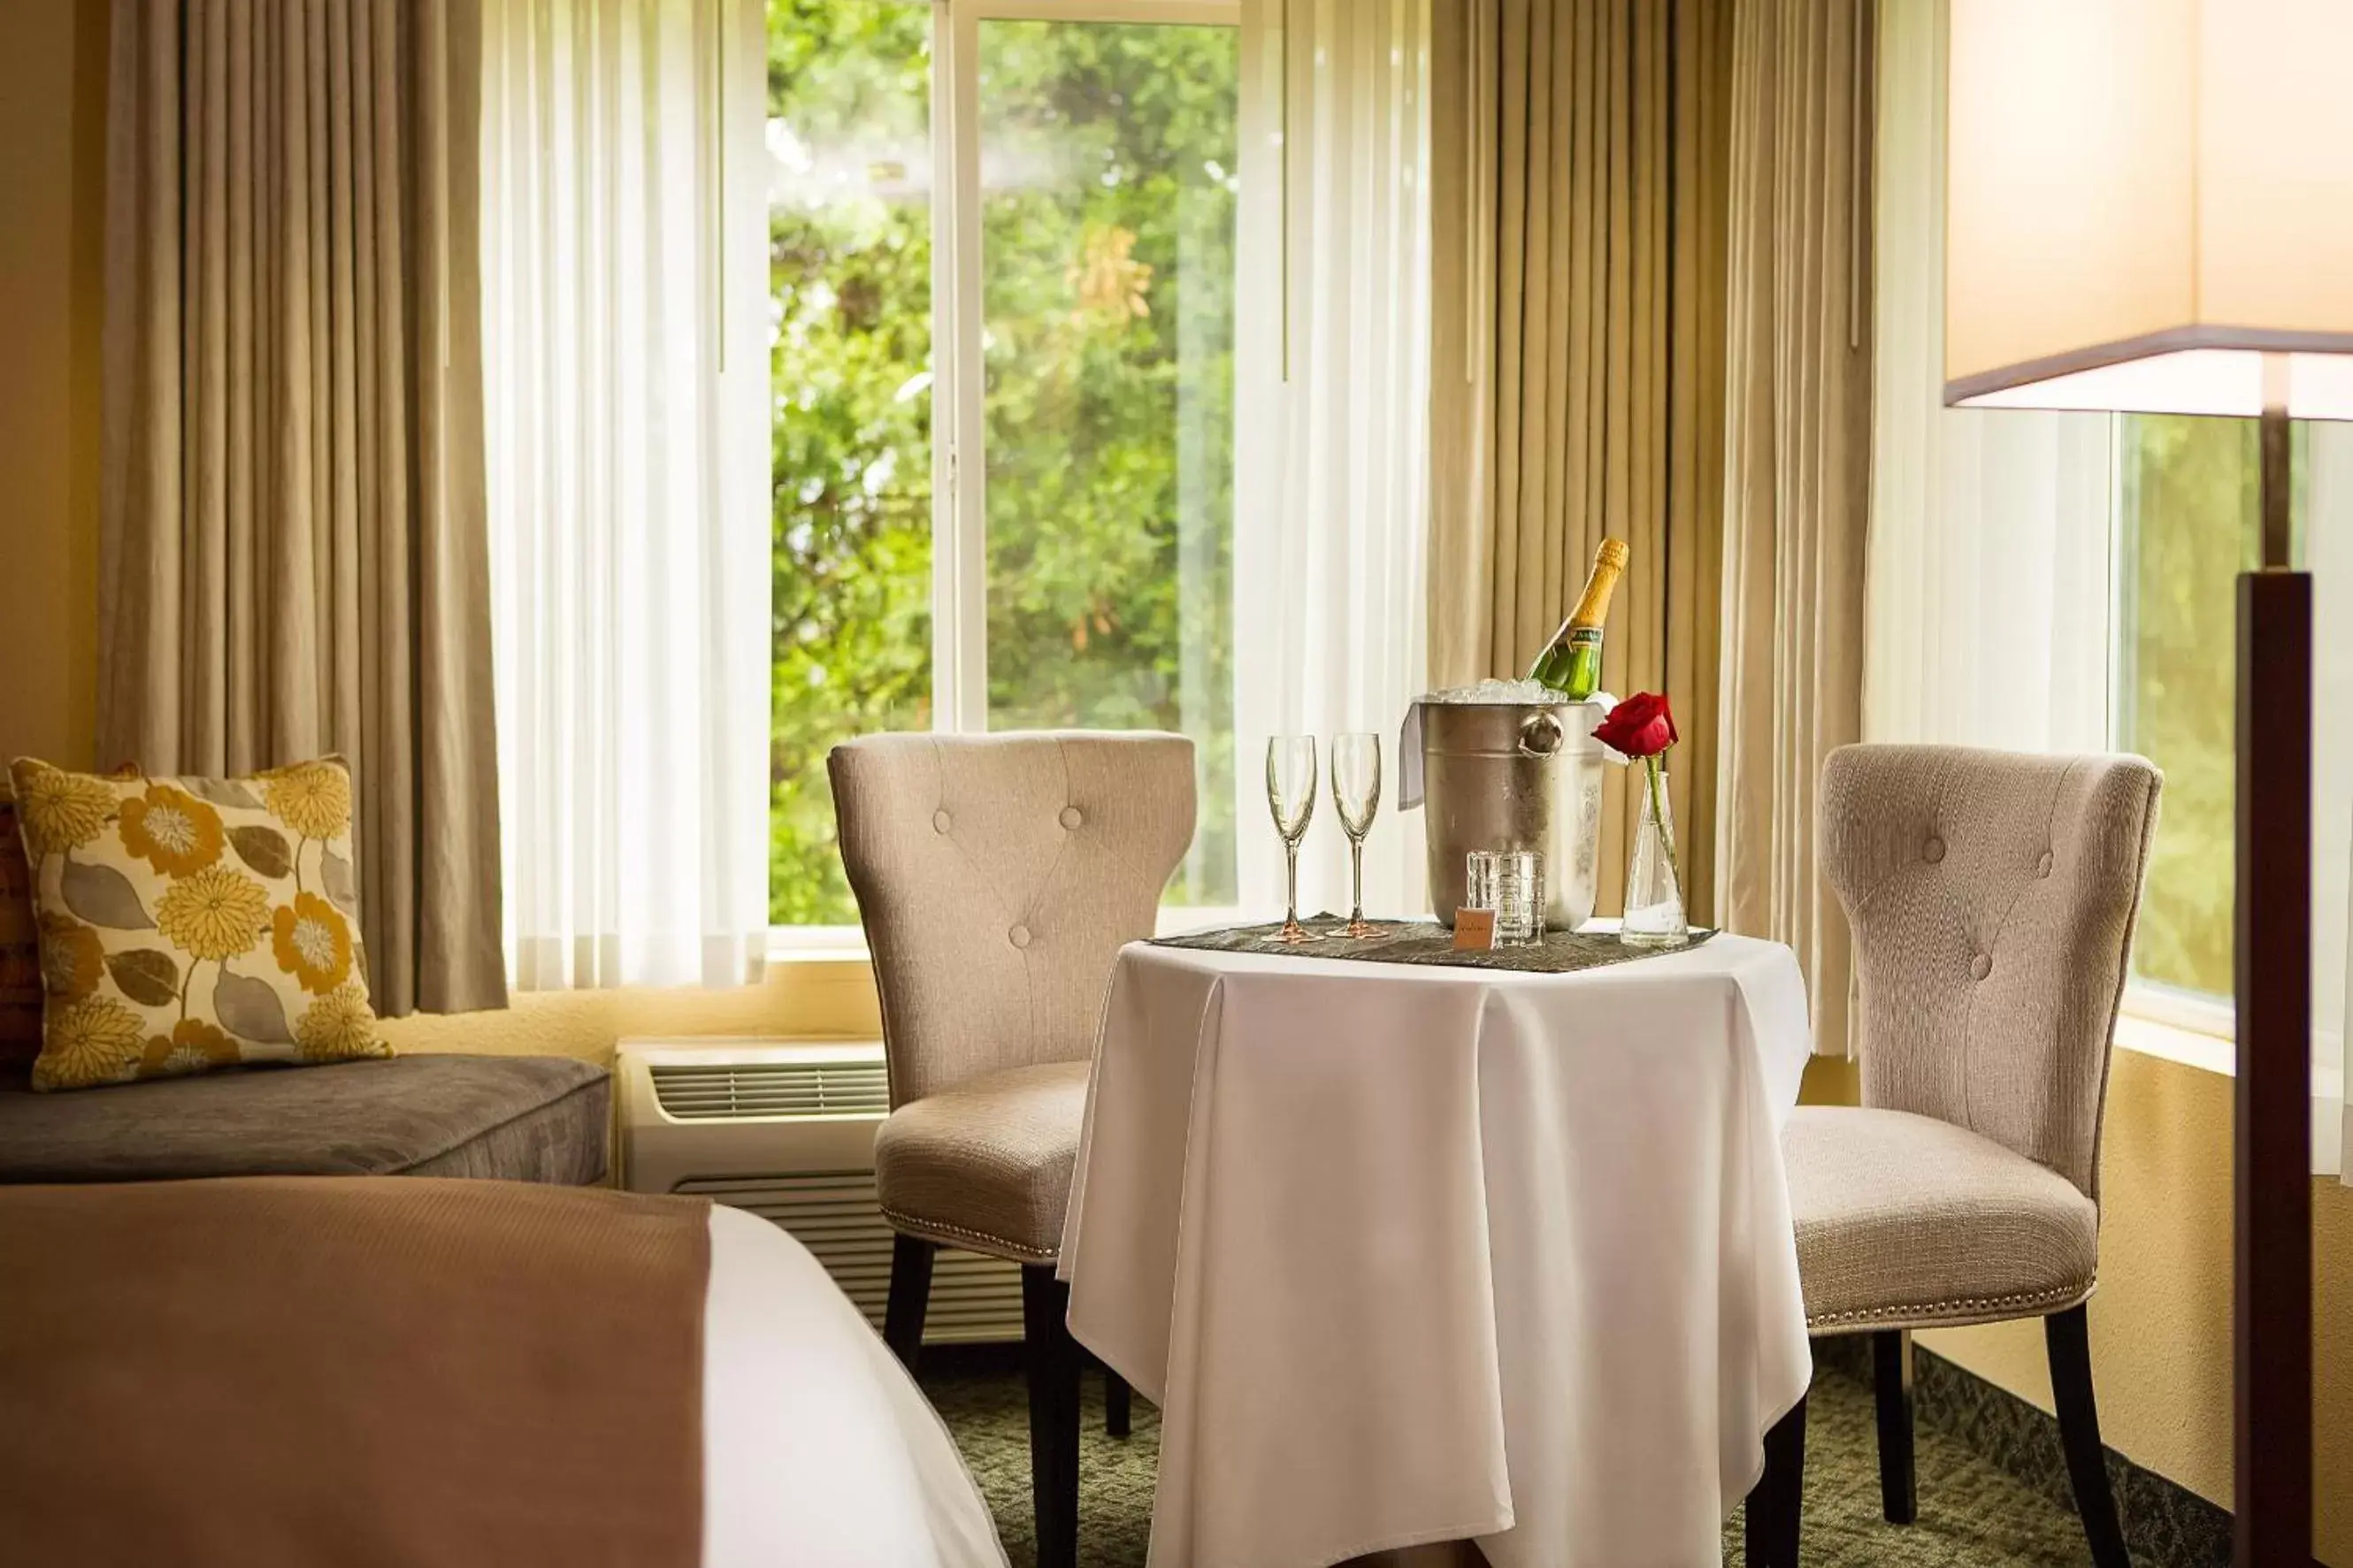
1571,663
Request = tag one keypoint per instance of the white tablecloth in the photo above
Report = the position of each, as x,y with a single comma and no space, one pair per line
1416,1253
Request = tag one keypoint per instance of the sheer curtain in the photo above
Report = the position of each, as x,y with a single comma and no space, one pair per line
626,385
1333,407
1989,601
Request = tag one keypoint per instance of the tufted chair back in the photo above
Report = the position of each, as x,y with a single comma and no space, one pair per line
1992,898
997,876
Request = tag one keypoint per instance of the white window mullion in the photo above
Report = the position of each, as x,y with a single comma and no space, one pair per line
960,472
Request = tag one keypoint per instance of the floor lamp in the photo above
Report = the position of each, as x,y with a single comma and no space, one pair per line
2149,209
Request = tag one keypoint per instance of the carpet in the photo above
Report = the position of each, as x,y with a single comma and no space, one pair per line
1972,1515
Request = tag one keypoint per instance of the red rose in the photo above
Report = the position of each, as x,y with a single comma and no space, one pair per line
1640,726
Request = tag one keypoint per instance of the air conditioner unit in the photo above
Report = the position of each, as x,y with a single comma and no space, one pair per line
785,1128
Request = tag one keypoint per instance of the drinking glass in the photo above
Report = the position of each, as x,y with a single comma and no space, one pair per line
1511,882
1290,780
1356,796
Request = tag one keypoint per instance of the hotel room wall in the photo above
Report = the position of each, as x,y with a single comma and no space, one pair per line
2161,1319
52,188
2161,1324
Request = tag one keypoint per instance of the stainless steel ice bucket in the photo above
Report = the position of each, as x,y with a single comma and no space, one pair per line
1513,776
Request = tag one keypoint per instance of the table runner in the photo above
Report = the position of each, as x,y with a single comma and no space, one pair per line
1415,1254
1427,941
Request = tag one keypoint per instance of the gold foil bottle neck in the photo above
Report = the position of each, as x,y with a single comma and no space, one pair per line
1608,564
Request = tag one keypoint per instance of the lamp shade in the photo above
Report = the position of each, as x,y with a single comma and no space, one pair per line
2144,199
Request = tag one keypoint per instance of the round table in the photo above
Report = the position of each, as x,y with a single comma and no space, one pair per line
1416,1253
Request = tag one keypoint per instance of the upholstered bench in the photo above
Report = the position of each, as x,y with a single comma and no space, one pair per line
526,1119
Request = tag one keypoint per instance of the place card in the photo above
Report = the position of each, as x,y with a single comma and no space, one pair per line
1475,930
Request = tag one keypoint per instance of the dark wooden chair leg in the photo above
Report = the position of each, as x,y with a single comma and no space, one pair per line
2068,1338
1756,1529
1891,1383
911,1294
1777,1504
1053,1364
1117,1404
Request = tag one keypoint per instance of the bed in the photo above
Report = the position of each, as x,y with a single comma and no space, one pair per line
294,1370
878,1480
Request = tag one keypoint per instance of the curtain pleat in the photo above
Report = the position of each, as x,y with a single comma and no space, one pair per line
1578,356
1797,468
292,554
1332,393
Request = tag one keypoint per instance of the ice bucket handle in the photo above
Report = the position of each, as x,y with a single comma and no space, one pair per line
1541,735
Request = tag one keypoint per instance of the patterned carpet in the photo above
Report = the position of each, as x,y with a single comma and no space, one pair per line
1971,1514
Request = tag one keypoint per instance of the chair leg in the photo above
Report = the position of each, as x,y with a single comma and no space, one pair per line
910,1293
1117,1405
2067,1336
1775,1507
1891,1383
1053,1362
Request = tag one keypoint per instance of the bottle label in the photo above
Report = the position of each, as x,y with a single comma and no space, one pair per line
1583,637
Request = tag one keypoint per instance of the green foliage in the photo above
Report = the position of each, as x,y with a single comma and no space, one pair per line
2191,525
850,279
1107,221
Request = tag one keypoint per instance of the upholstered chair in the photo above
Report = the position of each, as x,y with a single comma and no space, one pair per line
1992,898
997,877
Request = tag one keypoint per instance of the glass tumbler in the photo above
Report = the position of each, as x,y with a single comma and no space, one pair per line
1511,883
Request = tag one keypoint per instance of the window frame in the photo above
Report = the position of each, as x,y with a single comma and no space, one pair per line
959,489
2153,1018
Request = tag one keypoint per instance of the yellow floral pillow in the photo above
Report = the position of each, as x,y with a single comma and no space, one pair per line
189,923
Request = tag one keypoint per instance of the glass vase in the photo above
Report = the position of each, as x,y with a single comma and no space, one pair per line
1654,883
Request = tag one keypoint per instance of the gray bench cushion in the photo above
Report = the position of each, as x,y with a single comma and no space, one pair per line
529,1119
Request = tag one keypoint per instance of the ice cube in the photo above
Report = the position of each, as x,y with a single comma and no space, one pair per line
1497,691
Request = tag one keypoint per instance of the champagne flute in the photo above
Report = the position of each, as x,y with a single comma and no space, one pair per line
1356,796
1290,780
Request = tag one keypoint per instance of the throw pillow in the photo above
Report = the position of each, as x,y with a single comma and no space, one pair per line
192,923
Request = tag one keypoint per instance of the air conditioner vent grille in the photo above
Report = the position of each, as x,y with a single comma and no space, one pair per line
734,1091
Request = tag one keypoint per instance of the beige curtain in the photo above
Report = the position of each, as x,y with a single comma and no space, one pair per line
1580,157
293,552
1797,462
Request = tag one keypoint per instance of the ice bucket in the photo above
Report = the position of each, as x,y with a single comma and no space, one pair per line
1513,776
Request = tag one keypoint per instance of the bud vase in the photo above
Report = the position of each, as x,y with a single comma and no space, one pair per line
1654,884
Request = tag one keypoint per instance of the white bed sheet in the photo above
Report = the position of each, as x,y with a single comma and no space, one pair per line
818,1449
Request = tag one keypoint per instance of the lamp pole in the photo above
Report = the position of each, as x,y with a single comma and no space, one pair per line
2272,1294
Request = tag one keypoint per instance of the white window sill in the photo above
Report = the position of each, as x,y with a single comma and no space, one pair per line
817,944
2168,1041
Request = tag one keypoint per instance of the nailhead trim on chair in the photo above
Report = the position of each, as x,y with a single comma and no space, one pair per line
1925,1314
956,1235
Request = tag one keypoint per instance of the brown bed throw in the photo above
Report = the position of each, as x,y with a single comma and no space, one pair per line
290,1372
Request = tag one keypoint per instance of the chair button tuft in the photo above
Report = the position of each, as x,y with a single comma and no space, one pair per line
1934,850
1018,936
2043,867
1070,817
940,820
1981,966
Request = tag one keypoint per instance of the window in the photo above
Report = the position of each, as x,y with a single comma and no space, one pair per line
2176,670
1002,373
